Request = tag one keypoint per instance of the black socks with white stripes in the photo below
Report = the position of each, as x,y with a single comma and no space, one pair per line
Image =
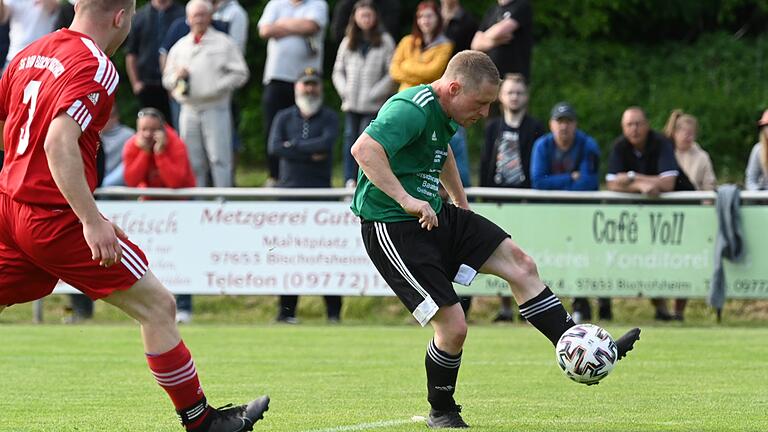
442,372
547,314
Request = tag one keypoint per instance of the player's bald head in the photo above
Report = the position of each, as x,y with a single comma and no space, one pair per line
108,22
472,69
104,6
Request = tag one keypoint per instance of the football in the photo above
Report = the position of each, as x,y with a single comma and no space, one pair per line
586,353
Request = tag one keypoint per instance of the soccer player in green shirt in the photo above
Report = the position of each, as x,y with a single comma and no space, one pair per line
421,246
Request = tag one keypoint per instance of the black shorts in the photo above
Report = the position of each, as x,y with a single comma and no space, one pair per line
420,265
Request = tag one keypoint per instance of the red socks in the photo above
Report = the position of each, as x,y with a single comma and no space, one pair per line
175,372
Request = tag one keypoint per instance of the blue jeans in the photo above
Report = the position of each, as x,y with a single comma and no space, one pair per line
354,125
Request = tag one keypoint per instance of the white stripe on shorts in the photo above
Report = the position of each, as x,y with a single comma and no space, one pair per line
389,250
426,309
132,262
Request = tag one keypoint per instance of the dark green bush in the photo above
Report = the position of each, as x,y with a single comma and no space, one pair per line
718,79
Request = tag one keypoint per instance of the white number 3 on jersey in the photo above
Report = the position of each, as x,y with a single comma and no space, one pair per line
30,98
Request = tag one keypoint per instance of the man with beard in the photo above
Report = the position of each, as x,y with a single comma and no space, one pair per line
302,139
506,156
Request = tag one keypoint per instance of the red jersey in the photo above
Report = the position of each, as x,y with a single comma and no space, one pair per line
63,72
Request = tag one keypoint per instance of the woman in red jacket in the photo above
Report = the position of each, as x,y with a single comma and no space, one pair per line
156,156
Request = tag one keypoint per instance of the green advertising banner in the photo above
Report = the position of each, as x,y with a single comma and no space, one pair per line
619,250
749,278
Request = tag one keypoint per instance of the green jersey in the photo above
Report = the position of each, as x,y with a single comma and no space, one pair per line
414,131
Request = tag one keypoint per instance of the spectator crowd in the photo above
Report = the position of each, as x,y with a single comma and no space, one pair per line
184,62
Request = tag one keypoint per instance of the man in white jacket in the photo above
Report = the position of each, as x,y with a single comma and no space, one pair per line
27,22
202,70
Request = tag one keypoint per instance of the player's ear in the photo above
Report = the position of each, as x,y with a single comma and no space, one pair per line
454,87
119,19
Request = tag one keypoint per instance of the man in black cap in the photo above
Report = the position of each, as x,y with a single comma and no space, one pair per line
566,158
302,138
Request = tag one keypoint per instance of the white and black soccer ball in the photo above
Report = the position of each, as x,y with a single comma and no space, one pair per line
586,353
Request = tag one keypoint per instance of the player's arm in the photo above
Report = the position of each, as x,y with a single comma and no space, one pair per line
451,180
372,158
66,164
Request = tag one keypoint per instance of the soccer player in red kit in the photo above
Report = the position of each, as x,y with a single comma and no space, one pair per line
55,97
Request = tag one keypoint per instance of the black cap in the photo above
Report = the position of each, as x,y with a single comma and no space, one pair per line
310,74
563,110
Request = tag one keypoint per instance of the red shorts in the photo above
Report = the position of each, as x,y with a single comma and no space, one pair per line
40,245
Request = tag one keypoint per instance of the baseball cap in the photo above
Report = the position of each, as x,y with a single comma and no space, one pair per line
310,74
563,110
763,120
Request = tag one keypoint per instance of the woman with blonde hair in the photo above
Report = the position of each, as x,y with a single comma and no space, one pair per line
694,162
756,176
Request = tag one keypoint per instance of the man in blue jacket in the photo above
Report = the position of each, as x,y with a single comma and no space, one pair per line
566,158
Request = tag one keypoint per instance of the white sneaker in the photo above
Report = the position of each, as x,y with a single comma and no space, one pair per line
183,317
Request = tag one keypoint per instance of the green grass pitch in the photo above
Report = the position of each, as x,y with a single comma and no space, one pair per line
371,378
